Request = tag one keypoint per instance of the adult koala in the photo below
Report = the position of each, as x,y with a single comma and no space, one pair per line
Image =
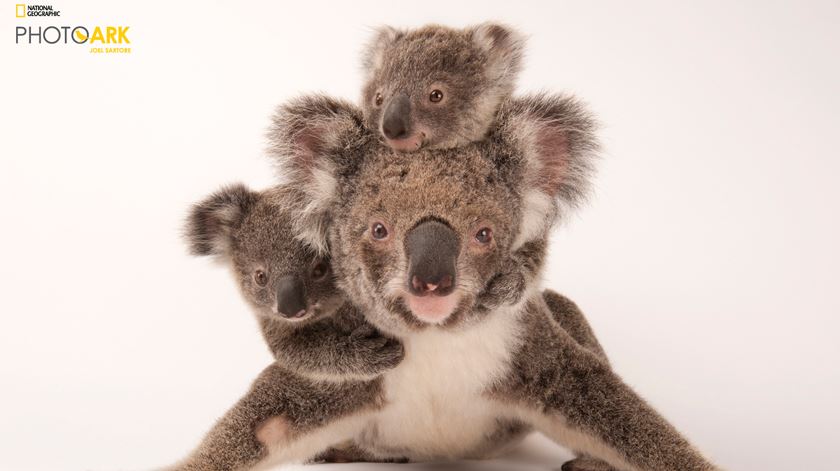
414,243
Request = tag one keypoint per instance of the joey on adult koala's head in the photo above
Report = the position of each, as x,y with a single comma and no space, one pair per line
438,87
279,276
415,241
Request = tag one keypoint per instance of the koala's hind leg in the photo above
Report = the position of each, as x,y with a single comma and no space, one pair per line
283,418
571,395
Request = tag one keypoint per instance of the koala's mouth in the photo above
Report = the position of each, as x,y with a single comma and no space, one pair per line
432,309
301,315
410,143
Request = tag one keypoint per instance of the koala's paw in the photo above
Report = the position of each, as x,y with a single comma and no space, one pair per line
586,464
374,351
504,288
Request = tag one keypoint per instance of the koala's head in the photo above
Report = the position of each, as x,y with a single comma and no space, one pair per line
252,232
421,240
415,241
438,87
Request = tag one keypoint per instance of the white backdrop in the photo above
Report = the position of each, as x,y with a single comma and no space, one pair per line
707,260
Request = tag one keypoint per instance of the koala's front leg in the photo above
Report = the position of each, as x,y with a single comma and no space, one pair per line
283,418
323,350
571,319
339,348
572,395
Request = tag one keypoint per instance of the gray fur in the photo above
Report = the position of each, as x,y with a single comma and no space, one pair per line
551,381
249,231
475,68
571,319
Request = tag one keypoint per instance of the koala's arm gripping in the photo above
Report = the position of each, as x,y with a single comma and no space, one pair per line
572,395
333,349
520,272
283,418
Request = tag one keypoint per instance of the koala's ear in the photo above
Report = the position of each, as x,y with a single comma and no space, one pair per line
313,140
374,50
554,136
505,48
211,222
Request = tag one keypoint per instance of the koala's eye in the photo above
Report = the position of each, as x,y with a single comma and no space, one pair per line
378,99
260,278
320,270
378,231
435,96
484,235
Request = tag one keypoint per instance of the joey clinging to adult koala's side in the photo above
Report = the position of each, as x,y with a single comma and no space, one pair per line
438,87
305,319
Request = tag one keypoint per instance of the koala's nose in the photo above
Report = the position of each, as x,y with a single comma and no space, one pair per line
291,297
432,249
440,283
395,119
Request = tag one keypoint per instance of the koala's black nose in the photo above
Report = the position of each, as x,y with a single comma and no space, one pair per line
432,249
396,119
291,297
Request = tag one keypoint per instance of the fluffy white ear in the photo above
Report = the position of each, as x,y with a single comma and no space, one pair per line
554,135
312,139
211,221
505,48
374,50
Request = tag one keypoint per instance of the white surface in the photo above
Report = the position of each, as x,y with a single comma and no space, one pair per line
707,261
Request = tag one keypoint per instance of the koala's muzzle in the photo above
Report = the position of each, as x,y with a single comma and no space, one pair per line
291,297
432,249
396,123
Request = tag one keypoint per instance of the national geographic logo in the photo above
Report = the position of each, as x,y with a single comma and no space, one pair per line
22,10
101,39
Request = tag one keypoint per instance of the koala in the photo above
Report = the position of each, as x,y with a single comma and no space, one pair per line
413,243
306,321
438,87
504,287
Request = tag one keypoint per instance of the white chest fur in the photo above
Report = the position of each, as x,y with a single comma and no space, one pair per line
435,408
